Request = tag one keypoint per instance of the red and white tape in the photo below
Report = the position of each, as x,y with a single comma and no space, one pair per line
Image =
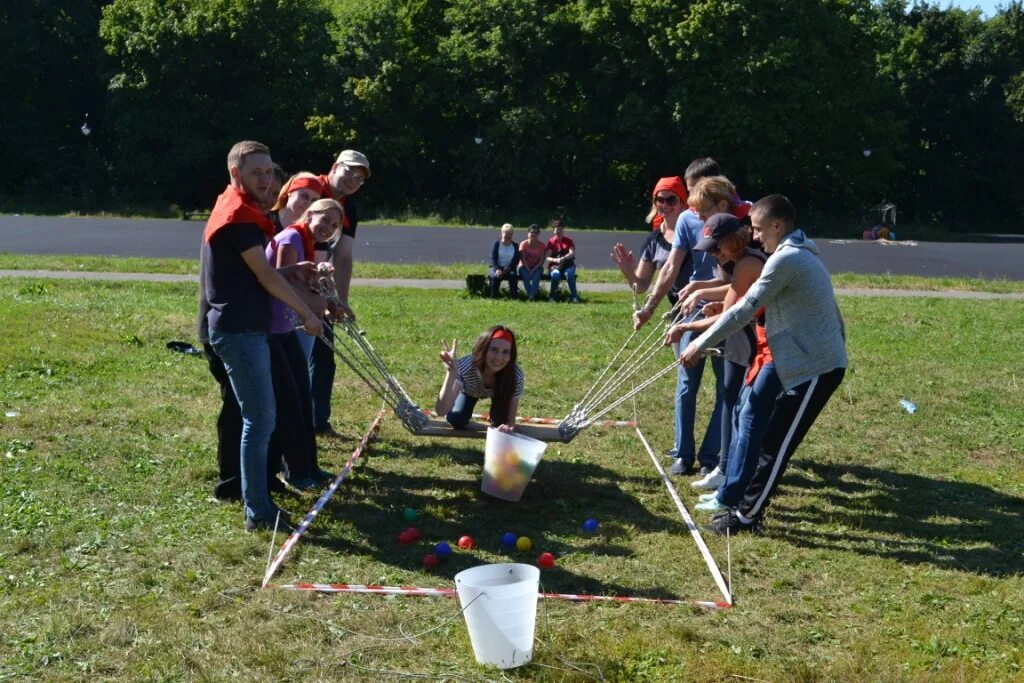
545,420
450,593
322,501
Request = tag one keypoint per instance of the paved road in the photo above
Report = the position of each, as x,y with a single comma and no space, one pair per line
402,244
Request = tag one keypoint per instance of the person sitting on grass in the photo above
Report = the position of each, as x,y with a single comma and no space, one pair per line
531,260
490,371
668,200
504,263
561,262
807,340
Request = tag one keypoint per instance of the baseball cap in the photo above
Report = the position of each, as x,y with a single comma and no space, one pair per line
715,228
351,157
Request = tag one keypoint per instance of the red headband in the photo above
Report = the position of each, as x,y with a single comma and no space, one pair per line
503,334
308,183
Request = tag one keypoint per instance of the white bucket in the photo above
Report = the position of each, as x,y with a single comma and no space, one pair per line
509,462
499,602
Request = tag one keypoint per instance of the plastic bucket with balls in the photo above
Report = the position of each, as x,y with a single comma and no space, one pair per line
509,462
499,602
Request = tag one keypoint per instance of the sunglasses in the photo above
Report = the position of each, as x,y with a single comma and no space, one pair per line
670,200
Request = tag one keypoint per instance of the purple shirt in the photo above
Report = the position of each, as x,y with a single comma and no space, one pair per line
282,318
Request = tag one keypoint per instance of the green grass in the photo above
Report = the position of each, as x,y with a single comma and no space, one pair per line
458,271
893,550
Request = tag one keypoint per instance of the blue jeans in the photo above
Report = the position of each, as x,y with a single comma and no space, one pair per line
531,280
306,341
687,387
733,383
462,411
570,278
754,415
246,357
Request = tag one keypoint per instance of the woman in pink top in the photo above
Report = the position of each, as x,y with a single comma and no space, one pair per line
531,260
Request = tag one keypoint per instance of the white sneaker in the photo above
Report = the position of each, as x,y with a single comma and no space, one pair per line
705,497
713,480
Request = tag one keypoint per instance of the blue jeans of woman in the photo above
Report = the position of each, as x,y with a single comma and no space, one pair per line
531,280
756,404
732,384
462,411
246,357
687,387
569,274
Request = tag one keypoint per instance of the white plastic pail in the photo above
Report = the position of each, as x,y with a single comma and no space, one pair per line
509,462
500,606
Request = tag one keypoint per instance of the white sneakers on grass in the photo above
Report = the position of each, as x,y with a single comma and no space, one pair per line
711,481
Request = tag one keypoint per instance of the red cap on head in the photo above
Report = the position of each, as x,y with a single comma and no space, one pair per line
674,185
503,334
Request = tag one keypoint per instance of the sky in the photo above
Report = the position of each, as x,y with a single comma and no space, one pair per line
988,7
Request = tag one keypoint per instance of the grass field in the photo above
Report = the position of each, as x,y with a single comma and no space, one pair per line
895,550
459,271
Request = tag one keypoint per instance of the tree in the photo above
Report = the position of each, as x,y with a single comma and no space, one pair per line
191,77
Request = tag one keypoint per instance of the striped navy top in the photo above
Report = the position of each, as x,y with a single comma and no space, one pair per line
473,383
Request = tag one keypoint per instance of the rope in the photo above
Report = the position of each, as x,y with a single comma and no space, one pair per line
610,382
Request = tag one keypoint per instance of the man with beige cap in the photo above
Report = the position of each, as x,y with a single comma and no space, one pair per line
347,175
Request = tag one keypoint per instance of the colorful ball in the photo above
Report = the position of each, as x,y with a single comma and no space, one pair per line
443,550
467,543
410,515
523,543
508,539
546,561
430,560
404,537
413,533
590,526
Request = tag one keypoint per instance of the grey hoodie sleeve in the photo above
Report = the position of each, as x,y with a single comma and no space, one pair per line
776,275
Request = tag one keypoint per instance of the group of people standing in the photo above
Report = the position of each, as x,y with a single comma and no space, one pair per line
747,287
527,260
750,292
265,329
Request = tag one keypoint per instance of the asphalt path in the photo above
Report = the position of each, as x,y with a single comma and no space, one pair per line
155,238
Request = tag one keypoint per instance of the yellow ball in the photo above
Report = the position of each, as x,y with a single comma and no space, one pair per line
523,544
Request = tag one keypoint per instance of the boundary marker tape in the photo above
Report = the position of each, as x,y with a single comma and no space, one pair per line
307,521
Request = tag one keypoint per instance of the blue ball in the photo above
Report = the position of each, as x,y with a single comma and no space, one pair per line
443,550
590,526
508,539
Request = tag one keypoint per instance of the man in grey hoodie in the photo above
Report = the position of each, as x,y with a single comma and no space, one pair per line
808,353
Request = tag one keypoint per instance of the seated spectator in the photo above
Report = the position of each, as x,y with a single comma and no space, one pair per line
531,262
561,260
504,263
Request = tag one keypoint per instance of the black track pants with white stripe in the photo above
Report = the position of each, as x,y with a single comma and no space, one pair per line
795,412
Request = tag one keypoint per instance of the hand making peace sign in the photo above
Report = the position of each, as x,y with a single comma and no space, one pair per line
448,356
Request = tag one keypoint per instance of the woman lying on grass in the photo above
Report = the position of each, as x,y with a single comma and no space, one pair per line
490,371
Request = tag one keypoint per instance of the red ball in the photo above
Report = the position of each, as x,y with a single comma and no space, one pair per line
430,560
404,537
467,543
414,533
546,561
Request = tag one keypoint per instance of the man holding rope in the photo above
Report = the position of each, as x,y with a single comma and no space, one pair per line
808,355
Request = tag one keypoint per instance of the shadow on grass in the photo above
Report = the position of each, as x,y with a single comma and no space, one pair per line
908,518
551,513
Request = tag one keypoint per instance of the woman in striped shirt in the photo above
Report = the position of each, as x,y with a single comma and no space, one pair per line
490,371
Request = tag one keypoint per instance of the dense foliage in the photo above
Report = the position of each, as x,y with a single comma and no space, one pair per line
465,106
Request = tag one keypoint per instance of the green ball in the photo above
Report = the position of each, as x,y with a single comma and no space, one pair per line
410,515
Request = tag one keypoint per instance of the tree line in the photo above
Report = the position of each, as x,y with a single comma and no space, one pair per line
466,107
